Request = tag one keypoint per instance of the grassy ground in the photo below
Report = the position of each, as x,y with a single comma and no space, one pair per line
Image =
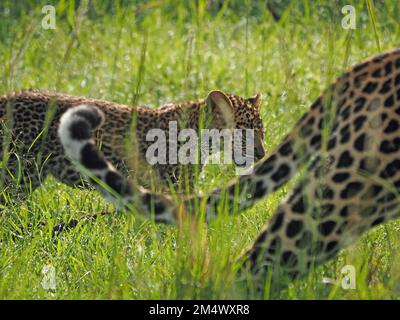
156,52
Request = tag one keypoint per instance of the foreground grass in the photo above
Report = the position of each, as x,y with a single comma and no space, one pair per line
160,53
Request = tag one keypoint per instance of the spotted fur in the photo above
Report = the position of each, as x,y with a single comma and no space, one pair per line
29,123
348,142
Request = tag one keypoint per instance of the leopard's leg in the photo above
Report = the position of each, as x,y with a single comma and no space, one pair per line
19,180
181,178
19,177
64,171
20,173
192,173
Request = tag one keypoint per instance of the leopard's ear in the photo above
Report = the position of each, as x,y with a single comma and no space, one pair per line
221,105
256,100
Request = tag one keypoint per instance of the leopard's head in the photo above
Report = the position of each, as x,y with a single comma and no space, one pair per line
234,112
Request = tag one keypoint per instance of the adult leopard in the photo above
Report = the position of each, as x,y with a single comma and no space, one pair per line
348,142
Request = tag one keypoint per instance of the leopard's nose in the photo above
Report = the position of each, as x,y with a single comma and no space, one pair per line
259,153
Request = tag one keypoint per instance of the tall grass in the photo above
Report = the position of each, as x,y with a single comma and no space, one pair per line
155,52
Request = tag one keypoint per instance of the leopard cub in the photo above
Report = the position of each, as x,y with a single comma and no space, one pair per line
30,147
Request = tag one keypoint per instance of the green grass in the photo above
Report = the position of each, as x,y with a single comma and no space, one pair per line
155,52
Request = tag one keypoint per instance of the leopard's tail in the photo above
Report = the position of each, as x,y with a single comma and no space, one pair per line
76,134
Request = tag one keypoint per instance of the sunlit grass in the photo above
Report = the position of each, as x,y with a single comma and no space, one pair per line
162,52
